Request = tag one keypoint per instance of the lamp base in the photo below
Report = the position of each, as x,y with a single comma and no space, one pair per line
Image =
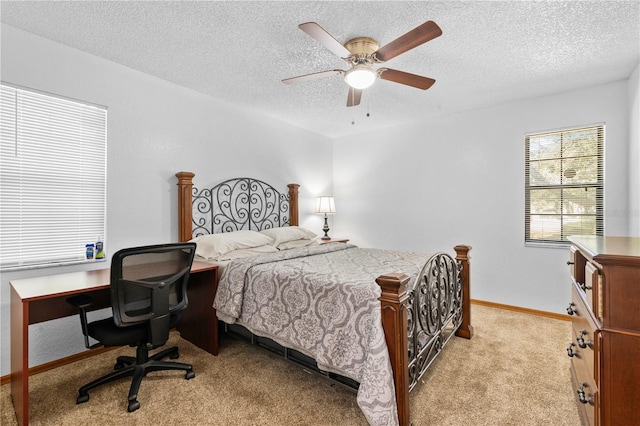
325,228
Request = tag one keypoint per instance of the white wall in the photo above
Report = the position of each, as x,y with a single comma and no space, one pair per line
420,187
634,153
460,179
155,129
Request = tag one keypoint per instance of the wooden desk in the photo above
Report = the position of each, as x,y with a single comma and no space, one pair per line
39,299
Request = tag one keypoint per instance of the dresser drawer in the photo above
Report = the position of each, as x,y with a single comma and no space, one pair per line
576,264
582,349
585,391
584,333
593,289
584,354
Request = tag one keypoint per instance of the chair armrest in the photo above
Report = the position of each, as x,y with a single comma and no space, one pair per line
82,302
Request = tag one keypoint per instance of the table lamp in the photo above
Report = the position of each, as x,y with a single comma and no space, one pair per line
326,205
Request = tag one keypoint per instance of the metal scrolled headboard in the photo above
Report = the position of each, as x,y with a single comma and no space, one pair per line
232,205
235,204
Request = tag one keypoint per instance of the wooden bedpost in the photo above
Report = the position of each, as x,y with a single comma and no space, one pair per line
185,186
393,302
462,256
293,204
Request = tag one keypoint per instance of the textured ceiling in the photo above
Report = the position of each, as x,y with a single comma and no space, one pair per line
237,51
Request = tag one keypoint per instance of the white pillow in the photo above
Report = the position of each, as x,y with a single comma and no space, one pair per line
253,251
297,243
288,233
215,245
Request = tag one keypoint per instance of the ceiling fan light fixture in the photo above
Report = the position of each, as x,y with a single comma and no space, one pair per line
360,77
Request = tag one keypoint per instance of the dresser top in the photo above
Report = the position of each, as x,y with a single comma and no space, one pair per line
609,249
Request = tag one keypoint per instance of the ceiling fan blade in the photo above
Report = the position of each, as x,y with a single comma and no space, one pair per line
354,96
417,36
309,77
406,78
324,38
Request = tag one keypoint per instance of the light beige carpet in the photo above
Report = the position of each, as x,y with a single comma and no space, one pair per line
514,371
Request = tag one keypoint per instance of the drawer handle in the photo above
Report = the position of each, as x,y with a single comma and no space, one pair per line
570,351
584,287
570,309
582,396
581,341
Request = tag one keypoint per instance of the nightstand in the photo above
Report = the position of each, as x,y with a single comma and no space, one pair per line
334,240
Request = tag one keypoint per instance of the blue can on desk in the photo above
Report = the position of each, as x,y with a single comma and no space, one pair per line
90,251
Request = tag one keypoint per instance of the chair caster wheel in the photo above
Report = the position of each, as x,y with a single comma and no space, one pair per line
118,366
82,398
174,355
189,375
133,406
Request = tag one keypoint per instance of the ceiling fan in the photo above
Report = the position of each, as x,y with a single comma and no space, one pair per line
361,53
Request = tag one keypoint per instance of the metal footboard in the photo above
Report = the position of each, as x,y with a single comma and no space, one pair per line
434,312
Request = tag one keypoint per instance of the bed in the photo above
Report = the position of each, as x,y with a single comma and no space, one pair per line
400,325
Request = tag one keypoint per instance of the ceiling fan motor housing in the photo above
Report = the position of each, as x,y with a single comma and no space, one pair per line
362,49
362,45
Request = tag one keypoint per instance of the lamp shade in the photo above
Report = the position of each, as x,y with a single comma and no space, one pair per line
325,205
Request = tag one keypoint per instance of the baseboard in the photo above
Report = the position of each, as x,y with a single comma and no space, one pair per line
547,314
86,354
60,362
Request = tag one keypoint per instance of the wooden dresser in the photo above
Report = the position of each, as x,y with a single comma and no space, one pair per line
605,346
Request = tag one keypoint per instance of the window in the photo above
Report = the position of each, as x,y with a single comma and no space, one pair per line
52,178
564,184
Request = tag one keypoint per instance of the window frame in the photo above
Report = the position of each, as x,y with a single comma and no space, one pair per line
598,186
53,181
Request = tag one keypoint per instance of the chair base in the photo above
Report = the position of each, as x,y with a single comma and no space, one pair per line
138,368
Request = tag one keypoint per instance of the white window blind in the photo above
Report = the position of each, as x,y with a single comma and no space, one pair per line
564,184
52,178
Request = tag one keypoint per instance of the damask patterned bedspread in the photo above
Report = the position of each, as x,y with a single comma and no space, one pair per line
322,301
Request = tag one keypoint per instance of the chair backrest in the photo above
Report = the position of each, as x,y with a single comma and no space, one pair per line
148,284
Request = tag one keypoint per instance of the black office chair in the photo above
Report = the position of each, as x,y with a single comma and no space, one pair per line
148,293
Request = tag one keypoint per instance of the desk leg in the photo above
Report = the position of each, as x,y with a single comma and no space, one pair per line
20,357
199,323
